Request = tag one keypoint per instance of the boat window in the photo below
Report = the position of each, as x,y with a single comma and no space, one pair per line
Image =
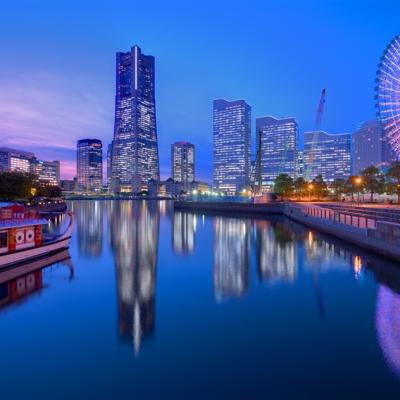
3,240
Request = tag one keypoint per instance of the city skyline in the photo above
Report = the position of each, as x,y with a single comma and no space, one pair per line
52,93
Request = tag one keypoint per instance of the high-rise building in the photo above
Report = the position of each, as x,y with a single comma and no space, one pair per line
182,163
89,165
327,155
370,147
300,164
231,145
47,172
12,160
109,167
134,149
276,148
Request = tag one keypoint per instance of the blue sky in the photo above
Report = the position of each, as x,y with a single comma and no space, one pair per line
57,70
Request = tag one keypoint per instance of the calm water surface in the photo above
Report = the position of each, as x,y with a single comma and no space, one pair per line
157,304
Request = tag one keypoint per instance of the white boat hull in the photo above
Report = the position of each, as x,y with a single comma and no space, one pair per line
33,252
23,255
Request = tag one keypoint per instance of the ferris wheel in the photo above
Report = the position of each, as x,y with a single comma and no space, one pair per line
387,93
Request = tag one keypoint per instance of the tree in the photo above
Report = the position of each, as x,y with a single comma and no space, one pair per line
320,188
50,191
300,186
393,175
372,180
283,185
15,185
339,187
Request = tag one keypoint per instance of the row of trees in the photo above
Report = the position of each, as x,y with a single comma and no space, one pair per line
371,180
21,186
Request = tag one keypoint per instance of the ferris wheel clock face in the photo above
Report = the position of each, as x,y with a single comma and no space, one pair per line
387,93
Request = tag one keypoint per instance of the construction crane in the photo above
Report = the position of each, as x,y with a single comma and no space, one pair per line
318,121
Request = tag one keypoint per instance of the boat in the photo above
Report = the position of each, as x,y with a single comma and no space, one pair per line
22,238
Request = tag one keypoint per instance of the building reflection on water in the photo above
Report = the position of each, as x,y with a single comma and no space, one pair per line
134,227
183,232
275,252
231,256
89,221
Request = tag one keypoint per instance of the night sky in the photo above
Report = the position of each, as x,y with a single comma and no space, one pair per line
57,68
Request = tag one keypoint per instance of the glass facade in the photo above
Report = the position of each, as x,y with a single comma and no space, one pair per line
182,164
231,145
370,147
276,148
327,155
47,172
89,165
134,149
16,160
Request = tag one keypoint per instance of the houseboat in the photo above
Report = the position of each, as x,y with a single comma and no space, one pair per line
22,238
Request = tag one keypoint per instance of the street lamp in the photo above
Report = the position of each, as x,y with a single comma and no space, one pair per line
310,188
358,183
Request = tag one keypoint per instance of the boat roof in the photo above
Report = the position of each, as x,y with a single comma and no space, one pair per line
5,204
21,222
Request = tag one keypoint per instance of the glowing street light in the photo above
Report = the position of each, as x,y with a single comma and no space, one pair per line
310,188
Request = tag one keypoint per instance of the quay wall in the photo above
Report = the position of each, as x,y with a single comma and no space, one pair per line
230,207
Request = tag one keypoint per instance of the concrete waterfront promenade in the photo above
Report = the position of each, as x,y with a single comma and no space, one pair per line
374,228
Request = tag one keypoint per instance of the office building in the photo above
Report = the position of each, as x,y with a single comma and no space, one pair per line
231,145
134,148
276,149
12,160
182,164
47,172
89,165
370,147
327,155
109,167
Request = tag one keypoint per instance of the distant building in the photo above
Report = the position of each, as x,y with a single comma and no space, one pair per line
47,172
327,155
231,145
109,167
276,148
12,160
134,148
300,164
370,147
201,187
68,185
89,165
182,163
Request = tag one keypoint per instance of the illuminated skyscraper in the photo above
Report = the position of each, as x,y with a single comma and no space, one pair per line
370,147
135,148
89,165
231,153
182,163
327,155
276,148
109,167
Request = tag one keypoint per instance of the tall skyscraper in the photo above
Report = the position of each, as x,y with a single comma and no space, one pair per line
89,165
231,152
370,147
135,149
182,163
109,167
327,155
276,149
